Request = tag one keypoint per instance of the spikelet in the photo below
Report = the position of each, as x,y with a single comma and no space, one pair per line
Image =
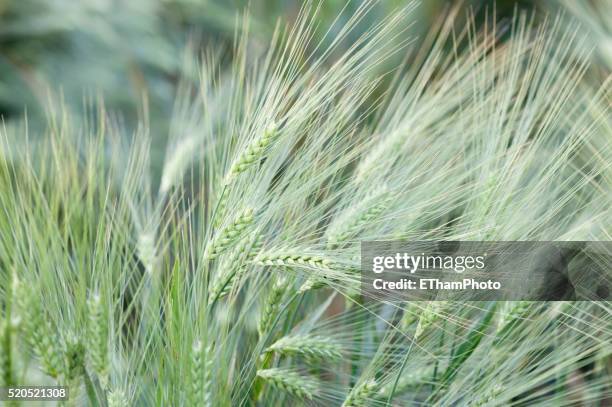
352,220
271,306
230,235
97,336
309,346
253,153
360,395
199,390
300,386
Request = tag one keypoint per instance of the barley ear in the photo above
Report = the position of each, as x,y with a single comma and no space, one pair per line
351,221
230,271
176,163
303,387
199,391
253,153
97,337
312,347
147,253
230,235
271,306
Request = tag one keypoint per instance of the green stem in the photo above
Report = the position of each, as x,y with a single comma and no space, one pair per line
399,373
258,385
90,387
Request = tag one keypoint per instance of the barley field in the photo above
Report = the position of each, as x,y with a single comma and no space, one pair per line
184,188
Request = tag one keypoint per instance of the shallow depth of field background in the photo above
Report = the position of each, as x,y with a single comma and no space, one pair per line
131,51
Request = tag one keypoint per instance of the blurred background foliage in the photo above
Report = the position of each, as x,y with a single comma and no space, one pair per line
132,51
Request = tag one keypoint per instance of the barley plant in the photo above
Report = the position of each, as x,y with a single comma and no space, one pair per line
232,277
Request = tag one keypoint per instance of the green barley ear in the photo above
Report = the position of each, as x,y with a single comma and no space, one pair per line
97,337
271,306
429,316
45,343
230,235
311,283
146,249
253,153
289,259
50,356
199,391
231,270
117,398
38,331
309,346
351,221
300,386
176,163
361,394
